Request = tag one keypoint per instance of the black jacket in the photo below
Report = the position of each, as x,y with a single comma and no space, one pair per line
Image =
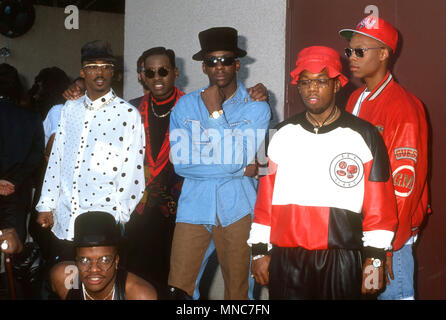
22,142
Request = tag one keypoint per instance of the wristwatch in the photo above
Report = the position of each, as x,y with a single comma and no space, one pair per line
216,114
376,262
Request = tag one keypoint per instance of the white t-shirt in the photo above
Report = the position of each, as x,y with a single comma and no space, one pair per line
362,97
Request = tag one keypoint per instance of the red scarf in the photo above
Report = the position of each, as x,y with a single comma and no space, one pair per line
153,167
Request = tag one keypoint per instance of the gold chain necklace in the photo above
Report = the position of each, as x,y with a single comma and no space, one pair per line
232,95
330,117
103,105
106,297
160,115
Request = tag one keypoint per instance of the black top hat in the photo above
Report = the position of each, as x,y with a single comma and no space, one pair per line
218,39
97,50
96,229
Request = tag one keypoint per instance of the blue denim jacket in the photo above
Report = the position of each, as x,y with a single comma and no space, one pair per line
211,154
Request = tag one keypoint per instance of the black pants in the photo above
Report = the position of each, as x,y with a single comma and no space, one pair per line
332,274
148,245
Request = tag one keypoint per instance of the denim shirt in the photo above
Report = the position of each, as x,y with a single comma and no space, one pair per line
211,155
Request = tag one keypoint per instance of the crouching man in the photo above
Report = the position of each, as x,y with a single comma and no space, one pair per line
96,274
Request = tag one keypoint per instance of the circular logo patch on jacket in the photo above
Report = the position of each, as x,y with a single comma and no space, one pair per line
346,170
403,180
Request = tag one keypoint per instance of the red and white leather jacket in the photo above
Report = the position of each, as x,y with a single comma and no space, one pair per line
330,189
401,119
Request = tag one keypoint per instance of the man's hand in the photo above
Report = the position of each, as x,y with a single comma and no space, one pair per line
258,92
372,278
73,92
251,170
259,270
213,98
10,239
388,269
45,219
6,188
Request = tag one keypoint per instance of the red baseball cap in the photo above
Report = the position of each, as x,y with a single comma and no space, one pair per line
376,28
317,58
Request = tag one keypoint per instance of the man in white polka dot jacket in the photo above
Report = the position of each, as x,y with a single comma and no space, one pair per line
96,163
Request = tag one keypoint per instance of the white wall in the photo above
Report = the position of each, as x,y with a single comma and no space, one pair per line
49,44
175,24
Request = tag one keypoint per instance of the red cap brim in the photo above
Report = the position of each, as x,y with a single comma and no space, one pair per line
316,67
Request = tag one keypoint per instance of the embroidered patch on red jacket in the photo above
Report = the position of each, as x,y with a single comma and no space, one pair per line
406,153
403,180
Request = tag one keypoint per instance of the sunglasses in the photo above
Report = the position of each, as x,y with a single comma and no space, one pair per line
225,61
359,52
95,67
162,72
103,263
320,83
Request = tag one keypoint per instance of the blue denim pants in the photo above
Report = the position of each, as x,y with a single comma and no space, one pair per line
402,285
